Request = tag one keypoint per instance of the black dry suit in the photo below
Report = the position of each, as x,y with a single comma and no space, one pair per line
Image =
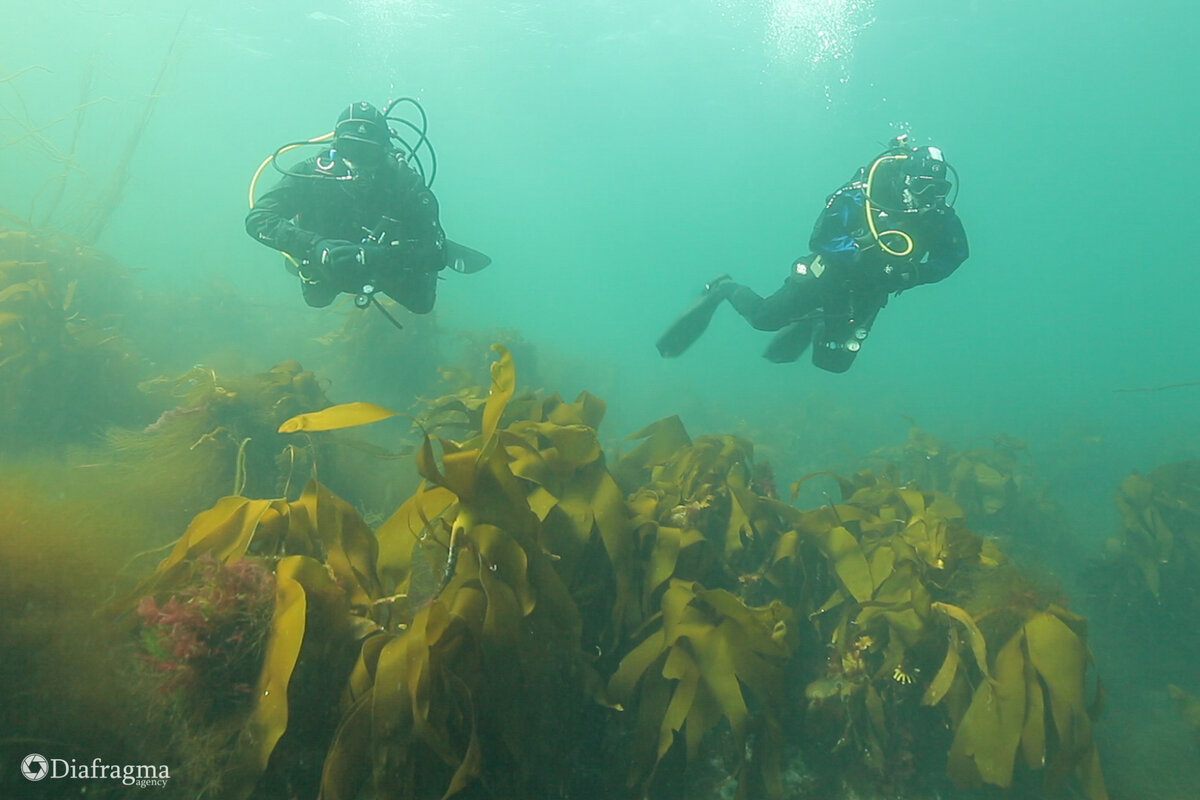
389,212
832,296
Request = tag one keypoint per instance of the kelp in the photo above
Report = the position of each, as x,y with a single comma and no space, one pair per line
482,671
67,369
323,559
1151,565
235,434
994,485
701,657
1160,516
343,415
531,623
1032,708
218,435
903,573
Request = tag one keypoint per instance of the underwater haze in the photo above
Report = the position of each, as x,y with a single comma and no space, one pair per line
611,156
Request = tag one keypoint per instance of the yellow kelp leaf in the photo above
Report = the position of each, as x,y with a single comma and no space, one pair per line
845,486
524,459
362,676
399,696
592,503
413,521
1033,737
587,410
944,507
680,667
985,743
459,468
944,678
668,544
652,701
223,531
635,663
704,716
842,549
571,446
714,652
504,380
1061,660
989,478
883,563
913,499
351,549
661,440
504,559
343,415
348,761
738,529
974,635
269,719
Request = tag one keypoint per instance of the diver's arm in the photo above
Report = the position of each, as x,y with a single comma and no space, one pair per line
270,221
424,248
949,250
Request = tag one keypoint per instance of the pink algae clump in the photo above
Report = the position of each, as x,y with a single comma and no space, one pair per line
203,643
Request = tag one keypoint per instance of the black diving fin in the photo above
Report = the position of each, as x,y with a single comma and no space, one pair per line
684,331
791,342
461,258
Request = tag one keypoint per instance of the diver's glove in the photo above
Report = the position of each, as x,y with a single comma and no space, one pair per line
337,262
899,275
335,253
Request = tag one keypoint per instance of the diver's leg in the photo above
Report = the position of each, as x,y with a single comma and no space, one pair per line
415,290
791,342
795,301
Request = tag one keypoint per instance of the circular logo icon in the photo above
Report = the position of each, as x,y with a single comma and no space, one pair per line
35,767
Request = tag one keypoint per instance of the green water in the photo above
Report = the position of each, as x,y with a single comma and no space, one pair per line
612,156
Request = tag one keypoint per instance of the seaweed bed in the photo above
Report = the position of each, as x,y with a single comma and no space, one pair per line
227,575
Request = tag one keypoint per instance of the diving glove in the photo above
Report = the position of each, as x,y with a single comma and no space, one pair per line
333,253
344,264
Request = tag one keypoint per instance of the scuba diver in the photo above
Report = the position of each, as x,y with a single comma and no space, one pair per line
890,228
359,217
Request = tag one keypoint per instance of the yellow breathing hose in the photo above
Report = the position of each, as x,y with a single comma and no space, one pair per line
258,173
871,219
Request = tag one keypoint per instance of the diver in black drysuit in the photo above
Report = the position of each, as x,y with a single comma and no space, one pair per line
357,218
890,228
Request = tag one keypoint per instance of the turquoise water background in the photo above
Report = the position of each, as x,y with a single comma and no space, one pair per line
612,156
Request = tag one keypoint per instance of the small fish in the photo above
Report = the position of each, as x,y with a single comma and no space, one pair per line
321,16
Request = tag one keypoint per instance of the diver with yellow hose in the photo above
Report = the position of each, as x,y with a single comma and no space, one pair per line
891,227
359,217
